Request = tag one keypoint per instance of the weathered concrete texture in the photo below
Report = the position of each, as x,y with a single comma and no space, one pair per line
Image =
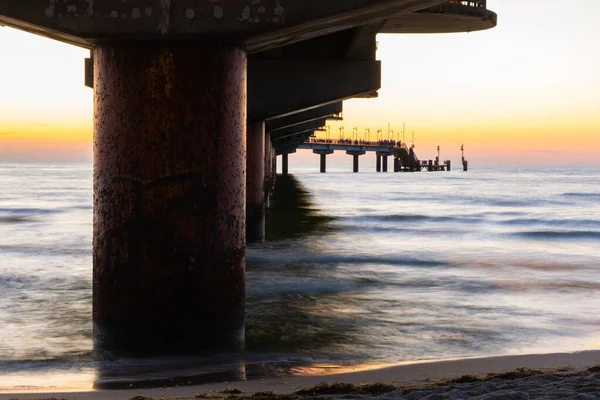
444,18
261,23
255,178
169,196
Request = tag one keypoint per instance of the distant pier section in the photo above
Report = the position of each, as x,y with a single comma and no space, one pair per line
404,156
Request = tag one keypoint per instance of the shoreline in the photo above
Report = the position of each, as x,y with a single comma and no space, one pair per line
413,374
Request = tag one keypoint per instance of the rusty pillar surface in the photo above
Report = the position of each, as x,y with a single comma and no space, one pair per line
169,196
255,191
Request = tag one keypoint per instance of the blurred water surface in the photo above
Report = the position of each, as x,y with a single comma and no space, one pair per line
358,269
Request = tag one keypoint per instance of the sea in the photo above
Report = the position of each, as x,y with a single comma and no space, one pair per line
358,271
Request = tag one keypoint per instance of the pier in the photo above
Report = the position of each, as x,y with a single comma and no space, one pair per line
404,156
193,101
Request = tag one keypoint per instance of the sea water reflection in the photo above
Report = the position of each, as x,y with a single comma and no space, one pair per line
357,269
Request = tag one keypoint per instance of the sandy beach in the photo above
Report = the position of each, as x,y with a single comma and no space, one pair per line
419,377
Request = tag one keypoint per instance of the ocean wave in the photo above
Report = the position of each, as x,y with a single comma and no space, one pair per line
48,250
296,258
554,222
577,194
544,234
15,219
29,211
11,281
418,218
415,218
56,362
517,203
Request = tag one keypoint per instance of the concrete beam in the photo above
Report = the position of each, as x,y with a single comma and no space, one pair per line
282,91
298,137
258,25
303,127
279,88
286,150
303,116
291,141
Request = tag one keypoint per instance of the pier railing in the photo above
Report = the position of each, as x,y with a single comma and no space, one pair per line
476,8
470,3
358,142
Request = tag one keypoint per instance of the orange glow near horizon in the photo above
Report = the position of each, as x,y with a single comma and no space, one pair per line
523,93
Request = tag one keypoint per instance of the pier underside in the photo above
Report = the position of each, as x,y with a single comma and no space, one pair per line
445,18
174,89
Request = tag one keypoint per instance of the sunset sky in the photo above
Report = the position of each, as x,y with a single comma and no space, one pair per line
525,93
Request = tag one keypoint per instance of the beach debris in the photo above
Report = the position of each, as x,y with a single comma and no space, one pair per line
231,390
347,388
595,369
207,396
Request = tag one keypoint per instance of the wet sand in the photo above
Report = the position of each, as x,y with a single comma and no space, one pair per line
584,387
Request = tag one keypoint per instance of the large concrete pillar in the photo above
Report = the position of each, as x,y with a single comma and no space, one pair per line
385,163
169,196
274,168
397,166
255,182
284,163
268,169
378,163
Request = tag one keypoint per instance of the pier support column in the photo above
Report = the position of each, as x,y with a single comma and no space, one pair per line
378,163
274,169
255,182
284,163
169,196
323,153
385,163
355,154
268,170
412,159
397,166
